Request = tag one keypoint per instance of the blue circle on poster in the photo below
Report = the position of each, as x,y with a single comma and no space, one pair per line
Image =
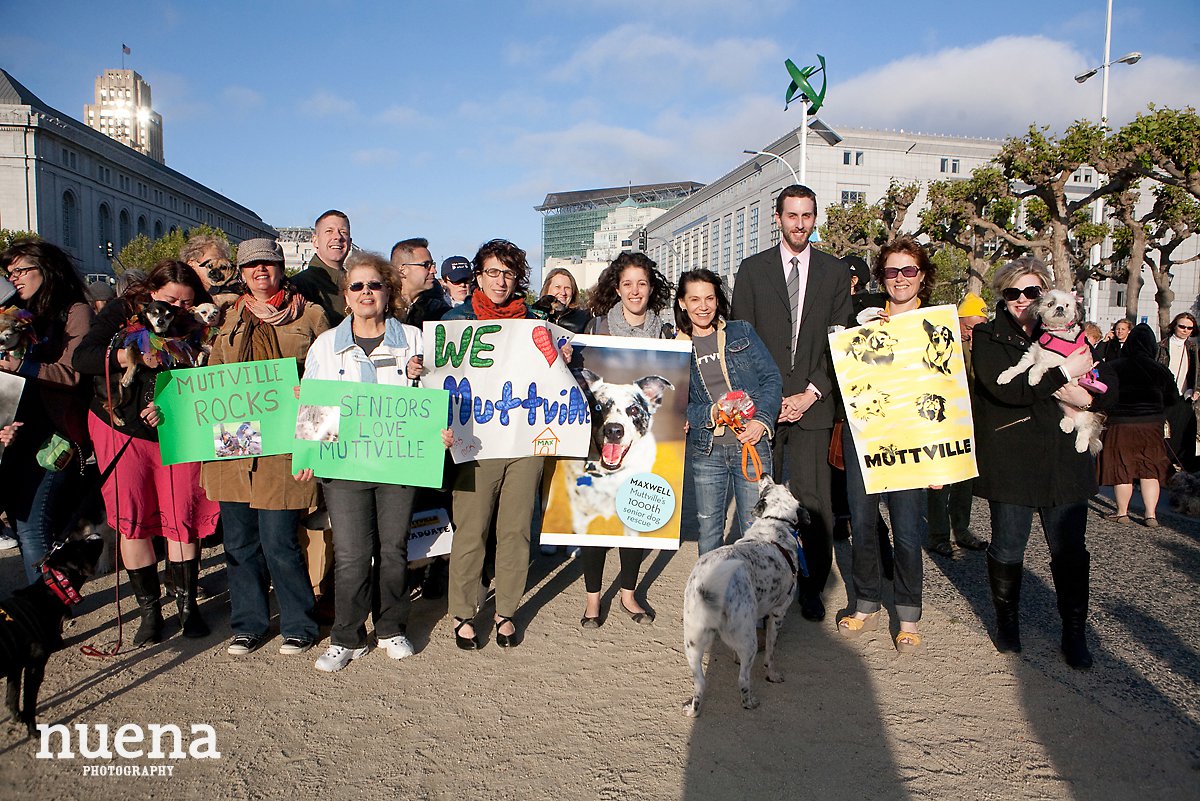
645,502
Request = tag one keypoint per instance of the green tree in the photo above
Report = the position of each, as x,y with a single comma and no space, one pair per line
1163,145
142,253
860,229
965,216
8,236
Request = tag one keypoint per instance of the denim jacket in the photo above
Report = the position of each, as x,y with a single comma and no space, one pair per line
748,365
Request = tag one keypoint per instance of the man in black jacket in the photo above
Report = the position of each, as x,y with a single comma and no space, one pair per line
320,283
417,271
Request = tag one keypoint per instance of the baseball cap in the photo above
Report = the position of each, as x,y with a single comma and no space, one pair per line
456,269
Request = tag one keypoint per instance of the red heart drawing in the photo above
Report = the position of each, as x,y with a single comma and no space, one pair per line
541,338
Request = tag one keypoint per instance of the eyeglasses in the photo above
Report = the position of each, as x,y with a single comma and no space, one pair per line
908,272
357,286
496,272
14,272
1012,293
1183,327
428,265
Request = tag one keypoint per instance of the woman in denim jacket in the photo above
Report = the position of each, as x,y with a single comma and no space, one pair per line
727,357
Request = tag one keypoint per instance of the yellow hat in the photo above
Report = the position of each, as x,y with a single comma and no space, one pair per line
972,306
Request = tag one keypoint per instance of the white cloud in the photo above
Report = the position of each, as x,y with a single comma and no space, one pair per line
402,116
1000,87
241,98
323,103
376,157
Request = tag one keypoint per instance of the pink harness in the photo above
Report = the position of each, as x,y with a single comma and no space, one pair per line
1063,347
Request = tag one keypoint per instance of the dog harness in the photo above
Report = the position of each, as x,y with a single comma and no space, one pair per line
1065,347
171,351
60,585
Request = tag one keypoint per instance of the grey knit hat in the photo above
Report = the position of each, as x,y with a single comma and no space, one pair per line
253,250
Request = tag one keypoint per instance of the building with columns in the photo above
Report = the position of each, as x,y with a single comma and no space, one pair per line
80,189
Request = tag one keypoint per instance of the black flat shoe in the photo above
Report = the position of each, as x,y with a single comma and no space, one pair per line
466,643
641,618
943,549
506,640
812,608
590,622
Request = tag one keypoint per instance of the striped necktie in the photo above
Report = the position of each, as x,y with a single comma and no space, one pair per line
793,288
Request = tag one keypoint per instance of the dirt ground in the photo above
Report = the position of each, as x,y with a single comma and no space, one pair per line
595,714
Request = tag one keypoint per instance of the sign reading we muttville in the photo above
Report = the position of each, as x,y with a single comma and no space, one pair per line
511,394
230,411
907,402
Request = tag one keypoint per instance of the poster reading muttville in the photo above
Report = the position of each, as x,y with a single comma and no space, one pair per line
230,411
907,402
628,491
371,432
511,394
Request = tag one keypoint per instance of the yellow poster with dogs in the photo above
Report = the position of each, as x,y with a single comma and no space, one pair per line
904,387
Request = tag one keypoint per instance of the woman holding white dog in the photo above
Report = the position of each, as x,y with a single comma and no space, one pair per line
907,274
629,300
730,364
370,519
1027,464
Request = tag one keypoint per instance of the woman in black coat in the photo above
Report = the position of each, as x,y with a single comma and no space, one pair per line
1027,464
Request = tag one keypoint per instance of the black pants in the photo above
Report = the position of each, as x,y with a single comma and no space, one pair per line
803,457
370,521
593,566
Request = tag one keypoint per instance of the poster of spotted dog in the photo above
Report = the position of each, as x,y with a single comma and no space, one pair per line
628,491
904,385
511,392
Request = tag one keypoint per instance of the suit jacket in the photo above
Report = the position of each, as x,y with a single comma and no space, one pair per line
760,298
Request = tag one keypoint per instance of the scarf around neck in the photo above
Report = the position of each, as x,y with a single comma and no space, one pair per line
619,326
485,309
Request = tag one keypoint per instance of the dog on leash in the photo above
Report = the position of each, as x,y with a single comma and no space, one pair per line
1061,315
622,437
734,586
31,623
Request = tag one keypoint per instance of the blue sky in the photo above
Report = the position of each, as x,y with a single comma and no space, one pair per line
454,120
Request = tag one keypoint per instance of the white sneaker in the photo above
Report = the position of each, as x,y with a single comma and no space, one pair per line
397,647
336,657
7,541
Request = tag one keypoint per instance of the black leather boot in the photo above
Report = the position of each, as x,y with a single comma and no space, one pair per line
144,581
1005,579
187,578
1071,584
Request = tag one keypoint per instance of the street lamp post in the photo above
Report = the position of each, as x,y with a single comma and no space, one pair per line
777,157
1098,206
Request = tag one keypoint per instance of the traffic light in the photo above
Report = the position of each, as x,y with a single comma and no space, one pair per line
108,250
642,240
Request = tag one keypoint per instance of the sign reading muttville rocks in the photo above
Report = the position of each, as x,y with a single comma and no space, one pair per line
230,411
907,404
511,394
371,432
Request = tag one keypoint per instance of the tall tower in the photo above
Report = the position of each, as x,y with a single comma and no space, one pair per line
122,111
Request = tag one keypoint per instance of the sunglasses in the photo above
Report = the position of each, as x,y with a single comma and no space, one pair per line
908,272
1012,293
427,265
357,286
1183,327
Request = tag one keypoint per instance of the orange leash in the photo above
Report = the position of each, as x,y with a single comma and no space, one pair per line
749,452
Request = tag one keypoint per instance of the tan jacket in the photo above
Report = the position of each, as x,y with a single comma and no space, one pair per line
264,482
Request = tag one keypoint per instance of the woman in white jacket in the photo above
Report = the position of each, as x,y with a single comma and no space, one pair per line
370,520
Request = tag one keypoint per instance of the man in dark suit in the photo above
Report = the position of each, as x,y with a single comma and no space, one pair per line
793,295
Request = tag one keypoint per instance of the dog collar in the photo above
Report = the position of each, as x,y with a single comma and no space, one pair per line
57,581
787,557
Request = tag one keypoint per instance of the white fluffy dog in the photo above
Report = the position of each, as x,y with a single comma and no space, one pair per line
734,586
1061,316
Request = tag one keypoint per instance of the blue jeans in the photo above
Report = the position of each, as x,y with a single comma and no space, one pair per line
718,475
261,549
1064,526
907,509
35,511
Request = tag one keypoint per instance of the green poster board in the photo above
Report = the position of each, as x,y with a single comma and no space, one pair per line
371,432
230,411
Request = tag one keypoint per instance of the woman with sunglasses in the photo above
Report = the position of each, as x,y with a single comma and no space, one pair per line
1179,353
1027,465
907,275
493,488
44,463
369,519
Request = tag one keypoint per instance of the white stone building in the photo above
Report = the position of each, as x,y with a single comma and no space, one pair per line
123,112
81,190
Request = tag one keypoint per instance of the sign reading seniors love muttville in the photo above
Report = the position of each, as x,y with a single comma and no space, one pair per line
510,392
907,402
371,432
230,411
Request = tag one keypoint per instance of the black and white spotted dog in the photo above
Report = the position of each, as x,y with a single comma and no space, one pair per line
623,444
31,623
734,586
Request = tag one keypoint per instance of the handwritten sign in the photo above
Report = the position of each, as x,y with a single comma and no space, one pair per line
628,492
371,432
230,411
510,392
907,402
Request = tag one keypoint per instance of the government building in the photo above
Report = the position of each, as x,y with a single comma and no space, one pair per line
83,190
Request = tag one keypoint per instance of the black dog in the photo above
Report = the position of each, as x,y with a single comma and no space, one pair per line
31,622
